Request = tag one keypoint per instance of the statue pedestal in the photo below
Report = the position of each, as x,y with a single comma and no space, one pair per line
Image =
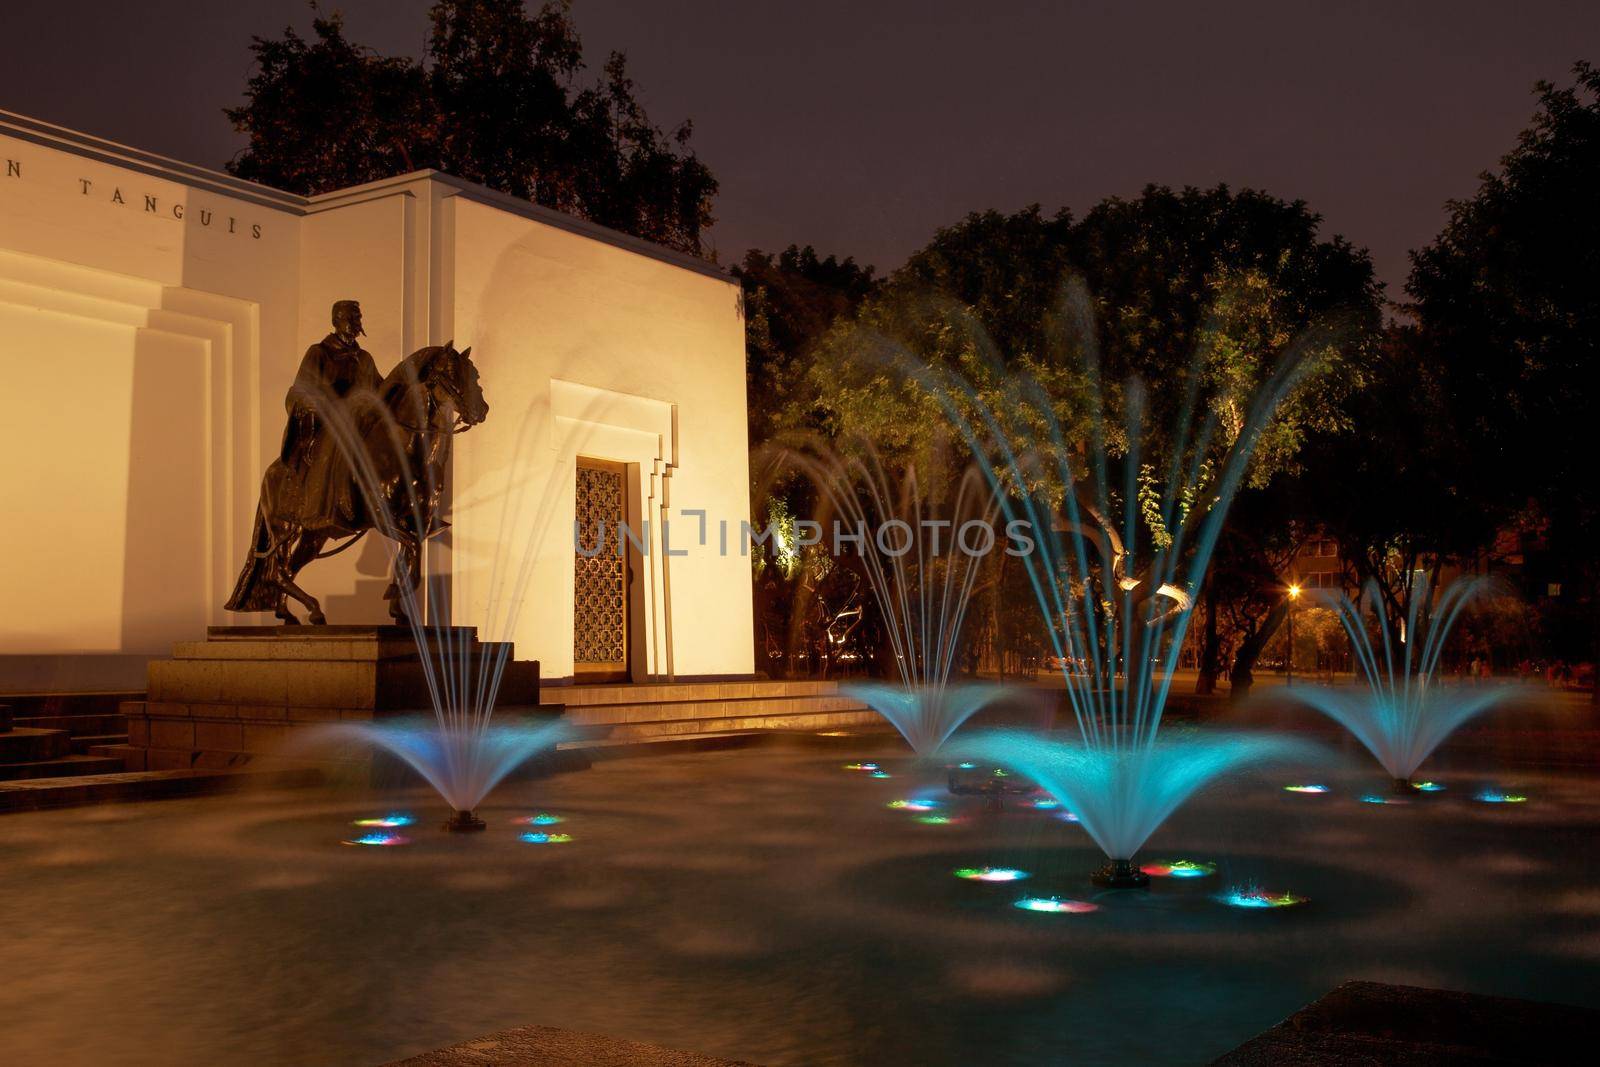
241,696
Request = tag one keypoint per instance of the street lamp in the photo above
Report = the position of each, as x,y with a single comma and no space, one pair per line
1294,594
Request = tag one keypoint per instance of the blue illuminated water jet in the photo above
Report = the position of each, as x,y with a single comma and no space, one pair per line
1121,797
462,764
1404,711
922,578
1122,538
925,715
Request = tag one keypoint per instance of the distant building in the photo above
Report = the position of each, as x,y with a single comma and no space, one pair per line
1318,565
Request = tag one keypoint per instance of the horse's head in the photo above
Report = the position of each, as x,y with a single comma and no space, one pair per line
452,381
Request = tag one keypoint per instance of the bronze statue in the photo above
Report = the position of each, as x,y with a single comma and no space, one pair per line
360,453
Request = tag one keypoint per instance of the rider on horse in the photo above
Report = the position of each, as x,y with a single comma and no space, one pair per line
360,453
333,394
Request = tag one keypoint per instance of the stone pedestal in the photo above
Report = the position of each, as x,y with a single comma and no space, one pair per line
240,696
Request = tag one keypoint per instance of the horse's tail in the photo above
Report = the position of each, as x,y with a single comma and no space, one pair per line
255,590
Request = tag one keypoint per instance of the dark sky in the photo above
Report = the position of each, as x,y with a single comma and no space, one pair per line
861,126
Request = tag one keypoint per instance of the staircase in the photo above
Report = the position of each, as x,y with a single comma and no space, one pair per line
61,735
608,716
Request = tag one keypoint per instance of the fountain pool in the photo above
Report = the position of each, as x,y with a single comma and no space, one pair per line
761,904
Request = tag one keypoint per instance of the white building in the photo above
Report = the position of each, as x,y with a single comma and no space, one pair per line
152,317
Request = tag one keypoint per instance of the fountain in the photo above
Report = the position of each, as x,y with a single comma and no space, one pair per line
462,763
922,569
459,749
1405,711
1121,794
1118,556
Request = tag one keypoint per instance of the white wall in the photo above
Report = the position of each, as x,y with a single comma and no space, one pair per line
152,317
131,321
590,349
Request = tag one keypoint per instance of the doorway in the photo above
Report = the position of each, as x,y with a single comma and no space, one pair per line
602,574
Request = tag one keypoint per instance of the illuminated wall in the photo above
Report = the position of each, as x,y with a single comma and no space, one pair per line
152,315
591,349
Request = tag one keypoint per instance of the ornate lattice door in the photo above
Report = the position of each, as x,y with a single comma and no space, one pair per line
600,582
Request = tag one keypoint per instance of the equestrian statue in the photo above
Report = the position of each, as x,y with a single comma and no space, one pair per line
361,452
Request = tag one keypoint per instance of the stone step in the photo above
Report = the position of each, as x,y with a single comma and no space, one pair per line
35,705
77,725
131,757
344,684
634,733
670,692
121,786
674,711
62,767
27,745
87,743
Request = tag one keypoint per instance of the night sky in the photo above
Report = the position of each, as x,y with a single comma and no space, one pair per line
861,126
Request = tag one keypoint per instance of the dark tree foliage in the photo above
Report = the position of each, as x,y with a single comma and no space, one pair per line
1154,265
790,301
1007,269
1212,281
802,610
1508,302
1401,489
495,100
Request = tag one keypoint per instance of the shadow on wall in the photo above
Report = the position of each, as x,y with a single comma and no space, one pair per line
165,552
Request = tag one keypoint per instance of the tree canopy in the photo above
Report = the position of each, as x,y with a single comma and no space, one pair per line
1204,288
1507,301
496,99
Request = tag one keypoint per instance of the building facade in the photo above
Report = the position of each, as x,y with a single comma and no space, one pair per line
153,315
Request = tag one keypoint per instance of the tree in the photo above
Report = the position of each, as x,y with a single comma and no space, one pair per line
495,100
809,611
1201,288
1507,298
790,301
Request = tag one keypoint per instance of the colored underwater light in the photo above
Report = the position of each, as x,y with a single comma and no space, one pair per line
914,804
1305,789
934,820
1068,816
967,766
389,821
990,874
541,838
1492,796
1374,798
882,774
1047,803
1259,898
1179,869
1428,787
1056,906
544,818
861,767
380,840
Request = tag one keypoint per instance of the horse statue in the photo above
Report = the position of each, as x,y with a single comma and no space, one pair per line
393,446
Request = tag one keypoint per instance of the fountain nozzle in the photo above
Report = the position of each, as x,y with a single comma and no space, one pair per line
464,822
1120,874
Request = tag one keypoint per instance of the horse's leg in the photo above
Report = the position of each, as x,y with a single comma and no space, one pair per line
305,550
407,570
315,617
